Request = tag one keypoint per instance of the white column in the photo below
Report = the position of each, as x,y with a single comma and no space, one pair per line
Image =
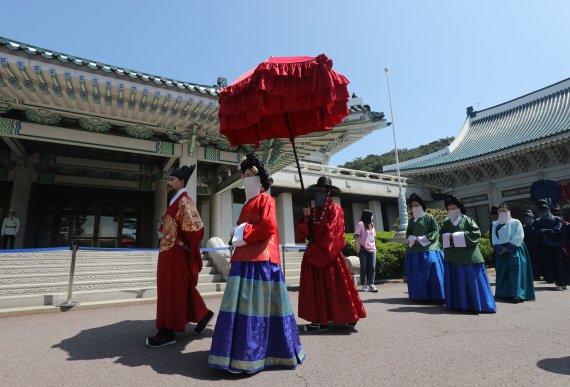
160,205
221,221
356,214
205,215
188,159
285,220
20,200
494,198
376,207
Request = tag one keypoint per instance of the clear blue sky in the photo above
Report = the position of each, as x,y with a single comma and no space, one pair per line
443,55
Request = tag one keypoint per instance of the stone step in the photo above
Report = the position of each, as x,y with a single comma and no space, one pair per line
43,270
100,296
96,282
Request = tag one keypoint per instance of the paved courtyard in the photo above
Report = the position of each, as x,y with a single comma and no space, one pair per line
397,344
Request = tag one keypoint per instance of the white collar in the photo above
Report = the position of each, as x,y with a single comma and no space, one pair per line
176,196
457,220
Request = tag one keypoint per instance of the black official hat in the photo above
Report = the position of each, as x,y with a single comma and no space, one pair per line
325,181
184,173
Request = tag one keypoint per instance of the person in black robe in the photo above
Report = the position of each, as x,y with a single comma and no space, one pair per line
548,234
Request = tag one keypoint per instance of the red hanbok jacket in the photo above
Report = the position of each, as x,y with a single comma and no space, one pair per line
260,233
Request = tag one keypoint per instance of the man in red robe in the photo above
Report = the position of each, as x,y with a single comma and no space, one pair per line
327,292
179,262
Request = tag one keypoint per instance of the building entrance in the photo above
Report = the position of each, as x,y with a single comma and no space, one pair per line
65,216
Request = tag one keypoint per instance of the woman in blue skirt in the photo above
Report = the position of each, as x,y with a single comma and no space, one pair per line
467,286
256,327
424,258
512,263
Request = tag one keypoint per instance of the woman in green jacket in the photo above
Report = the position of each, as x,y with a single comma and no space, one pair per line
466,282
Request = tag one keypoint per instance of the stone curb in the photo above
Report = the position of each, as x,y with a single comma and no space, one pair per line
86,305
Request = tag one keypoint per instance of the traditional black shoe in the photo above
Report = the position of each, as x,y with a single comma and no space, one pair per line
163,338
517,300
315,327
204,322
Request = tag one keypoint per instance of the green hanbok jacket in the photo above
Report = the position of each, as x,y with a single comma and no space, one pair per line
426,231
466,235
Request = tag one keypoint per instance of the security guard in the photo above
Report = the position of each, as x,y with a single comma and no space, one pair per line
10,228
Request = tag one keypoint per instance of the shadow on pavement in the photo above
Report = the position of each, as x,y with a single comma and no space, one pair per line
557,366
126,342
391,301
334,330
547,288
428,309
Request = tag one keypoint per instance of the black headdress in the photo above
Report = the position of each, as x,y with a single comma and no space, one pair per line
253,162
451,199
414,197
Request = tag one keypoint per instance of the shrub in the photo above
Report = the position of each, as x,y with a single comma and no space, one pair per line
390,260
487,250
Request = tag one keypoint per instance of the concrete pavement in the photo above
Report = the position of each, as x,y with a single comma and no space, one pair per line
397,344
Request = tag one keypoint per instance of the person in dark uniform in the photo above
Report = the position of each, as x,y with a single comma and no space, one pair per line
548,234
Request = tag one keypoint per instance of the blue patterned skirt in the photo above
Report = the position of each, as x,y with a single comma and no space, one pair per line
467,287
424,274
256,327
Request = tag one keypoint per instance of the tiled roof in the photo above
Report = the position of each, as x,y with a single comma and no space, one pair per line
531,118
105,68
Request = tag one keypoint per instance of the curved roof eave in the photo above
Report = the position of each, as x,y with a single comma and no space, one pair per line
105,68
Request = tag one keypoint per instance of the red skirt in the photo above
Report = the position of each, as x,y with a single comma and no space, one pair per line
328,294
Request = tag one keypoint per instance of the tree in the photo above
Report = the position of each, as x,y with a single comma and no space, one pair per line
375,163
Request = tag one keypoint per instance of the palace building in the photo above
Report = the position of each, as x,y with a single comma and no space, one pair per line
86,146
500,151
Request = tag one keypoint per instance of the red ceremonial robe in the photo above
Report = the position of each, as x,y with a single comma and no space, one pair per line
327,291
260,231
179,262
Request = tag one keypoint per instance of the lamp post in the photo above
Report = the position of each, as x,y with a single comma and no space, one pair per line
402,209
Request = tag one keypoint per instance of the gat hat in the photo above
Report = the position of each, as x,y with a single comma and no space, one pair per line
528,213
542,204
451,199
494,210
253,162
184,173
414,197
325,181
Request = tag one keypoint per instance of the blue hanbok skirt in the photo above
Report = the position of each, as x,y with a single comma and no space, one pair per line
424,274
467,288
256,327
514,274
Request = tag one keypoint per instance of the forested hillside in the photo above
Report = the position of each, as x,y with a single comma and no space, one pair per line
374,163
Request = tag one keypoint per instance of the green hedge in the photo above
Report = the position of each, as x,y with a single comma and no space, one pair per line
390,255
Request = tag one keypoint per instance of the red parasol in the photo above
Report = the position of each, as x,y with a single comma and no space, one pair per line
283,98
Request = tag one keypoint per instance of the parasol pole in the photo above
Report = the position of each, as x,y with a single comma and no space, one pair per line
292,139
